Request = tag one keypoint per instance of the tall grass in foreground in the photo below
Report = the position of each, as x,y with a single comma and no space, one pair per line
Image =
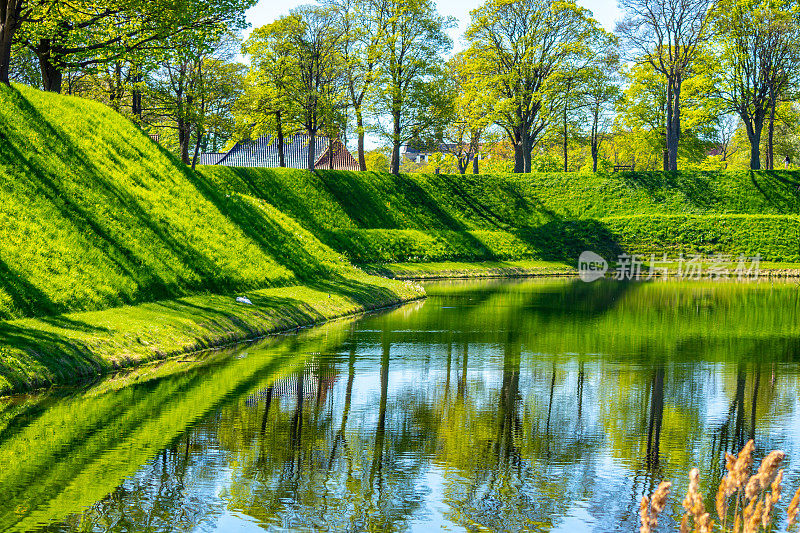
745,501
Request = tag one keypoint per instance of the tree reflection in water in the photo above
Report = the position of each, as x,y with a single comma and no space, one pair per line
502,406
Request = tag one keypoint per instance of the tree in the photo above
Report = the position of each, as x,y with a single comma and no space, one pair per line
757,58
24,67
84,34
575,76
308,91
667,35
642,115
470,111
194,90
16,14
411,70
362,26
521,44
264,106
600,92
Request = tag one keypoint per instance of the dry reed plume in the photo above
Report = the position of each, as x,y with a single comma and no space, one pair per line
744,503
648,515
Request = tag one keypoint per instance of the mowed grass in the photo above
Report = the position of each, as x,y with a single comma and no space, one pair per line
479,269
113,253
60,349
94,214
379,218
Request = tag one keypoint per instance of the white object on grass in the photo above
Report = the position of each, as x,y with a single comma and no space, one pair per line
243,300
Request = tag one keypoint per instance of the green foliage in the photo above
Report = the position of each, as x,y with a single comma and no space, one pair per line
377,161
296,70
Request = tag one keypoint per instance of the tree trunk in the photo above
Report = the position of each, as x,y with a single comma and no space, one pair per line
754,136
312,148
136,104
566,155
396,140
668,124
474,147
51,72
519,159
184,135
595,140
8,27
136,93
330,152
279,127
674,131
526,152
771,134
115,87
463,163
362,160
198,139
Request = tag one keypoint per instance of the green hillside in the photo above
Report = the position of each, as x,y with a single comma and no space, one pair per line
112,252
94,215
379,218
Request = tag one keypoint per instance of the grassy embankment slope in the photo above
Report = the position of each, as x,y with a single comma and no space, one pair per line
112,252
405,225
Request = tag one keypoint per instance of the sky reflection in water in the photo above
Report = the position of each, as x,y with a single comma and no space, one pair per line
549,405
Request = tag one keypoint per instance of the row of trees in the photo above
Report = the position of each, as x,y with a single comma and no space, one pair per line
674,74
677,79
169,64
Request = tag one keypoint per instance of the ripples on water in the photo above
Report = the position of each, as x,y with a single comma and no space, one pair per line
516,405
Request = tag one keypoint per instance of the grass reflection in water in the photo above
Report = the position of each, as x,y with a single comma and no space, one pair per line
535,405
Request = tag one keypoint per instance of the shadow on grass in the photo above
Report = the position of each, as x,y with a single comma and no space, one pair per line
39,355
154,276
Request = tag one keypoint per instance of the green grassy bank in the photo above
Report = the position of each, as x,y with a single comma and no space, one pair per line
96,217
112,252
378,218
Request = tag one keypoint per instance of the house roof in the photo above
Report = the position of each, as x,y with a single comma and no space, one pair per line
263,152
210,158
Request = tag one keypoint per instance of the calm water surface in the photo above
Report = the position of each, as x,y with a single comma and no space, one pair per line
547,405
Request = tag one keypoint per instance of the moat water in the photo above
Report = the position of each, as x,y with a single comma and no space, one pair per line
503,405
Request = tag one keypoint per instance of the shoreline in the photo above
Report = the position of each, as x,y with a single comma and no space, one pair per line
470,270
69,349
36,353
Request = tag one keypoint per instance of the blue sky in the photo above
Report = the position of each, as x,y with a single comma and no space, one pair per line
605,11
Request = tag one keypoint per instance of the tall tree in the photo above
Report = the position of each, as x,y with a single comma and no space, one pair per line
305,46
410,67
193,91
667,35
16,15
471,111
521,44
758,56
600,92
84,34
363,26
642,116
574,77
